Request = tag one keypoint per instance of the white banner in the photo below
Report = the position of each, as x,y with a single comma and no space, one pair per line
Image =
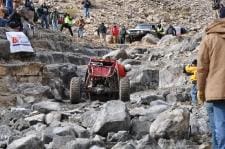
18,42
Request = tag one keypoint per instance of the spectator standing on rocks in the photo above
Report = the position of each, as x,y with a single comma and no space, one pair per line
192,70
68,22
44,15
211,75
87,5
9,7
54,16
115,33
102,30
123,33
171,31
159,31
81,24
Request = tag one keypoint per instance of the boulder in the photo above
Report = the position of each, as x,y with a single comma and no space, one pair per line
35,119
5,48
81,143
142,78
125,145
113,117
46,106
64,131
169,40
121,136
5,133
131,62
28,142
33,89
117,54
171,76
88,118
147,143
139,128
52,117
173,123
149,39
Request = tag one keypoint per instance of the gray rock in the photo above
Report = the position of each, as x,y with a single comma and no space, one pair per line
169,40
131,62
81,143
117,54
52,117
113,117
88,118
58,77
171,76
21,124
5,48
139,128
97,147
125,145
27,142
121,136
59,141
142,78
147,143
35,119
5,132
173,123
175,97
32,89
149,39
64,131
46,106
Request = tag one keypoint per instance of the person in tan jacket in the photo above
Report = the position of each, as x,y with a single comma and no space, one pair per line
211,75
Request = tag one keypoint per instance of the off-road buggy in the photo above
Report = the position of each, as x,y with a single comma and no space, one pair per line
105,79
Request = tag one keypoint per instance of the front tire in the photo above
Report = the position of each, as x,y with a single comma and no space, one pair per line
75,90
124,89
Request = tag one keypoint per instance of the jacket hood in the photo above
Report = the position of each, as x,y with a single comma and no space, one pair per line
218,27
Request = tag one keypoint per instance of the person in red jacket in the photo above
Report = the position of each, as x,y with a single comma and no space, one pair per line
115,33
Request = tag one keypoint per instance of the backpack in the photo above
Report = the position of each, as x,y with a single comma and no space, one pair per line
216,4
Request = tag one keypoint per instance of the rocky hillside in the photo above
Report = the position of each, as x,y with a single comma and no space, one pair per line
34,89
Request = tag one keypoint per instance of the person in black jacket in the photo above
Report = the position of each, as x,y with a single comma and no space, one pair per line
87,5
14,21
43,11
102,30
171,30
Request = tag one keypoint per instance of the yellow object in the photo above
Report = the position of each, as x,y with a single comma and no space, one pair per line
201,97
193,71
68,20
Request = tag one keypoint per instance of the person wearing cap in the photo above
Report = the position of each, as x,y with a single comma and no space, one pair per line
211,75
192,70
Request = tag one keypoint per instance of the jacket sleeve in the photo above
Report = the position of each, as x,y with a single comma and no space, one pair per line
189,69
203,64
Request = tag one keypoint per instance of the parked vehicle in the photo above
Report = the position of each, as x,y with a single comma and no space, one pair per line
140,31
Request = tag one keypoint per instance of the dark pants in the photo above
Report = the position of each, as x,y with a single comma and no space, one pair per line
122,39
66,25
44,21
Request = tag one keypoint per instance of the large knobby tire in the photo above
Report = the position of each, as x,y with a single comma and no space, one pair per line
75,90
124,89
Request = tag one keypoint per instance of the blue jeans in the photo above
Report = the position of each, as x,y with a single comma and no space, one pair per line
44,21
3,22
9,6
194,94
209,107
54,25
219,120
80,32
87,12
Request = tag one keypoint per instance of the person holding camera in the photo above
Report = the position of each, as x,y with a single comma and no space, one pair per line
192,70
